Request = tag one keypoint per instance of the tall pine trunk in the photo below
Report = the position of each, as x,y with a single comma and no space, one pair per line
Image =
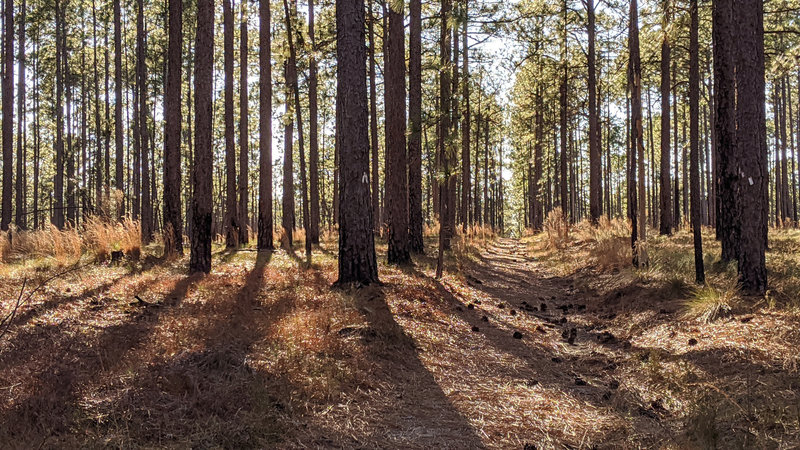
173,222
200,260
665,221
595,175
465,123
313,140
694,141
232,225
415,127
244,132
265,129
357,262
751,141
725,127
119,162
396,164
8,115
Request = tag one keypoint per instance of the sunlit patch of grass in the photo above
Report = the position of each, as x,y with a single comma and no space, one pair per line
709,303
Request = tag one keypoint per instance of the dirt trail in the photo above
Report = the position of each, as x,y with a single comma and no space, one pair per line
510,351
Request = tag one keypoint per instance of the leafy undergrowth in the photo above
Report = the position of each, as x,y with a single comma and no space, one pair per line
263,353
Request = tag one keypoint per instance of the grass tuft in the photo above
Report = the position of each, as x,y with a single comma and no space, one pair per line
709,303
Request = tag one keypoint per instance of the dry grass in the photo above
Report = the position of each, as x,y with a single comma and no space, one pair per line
96,236
709,303
262,353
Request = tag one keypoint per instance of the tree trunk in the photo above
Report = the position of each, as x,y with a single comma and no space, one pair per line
231,218
595,175
244,133
200,260
357,262
443,141
725,127
665,222
751,141
415,125
396,176
291,81
465,124
146,205
287,203
636,192
373,121
119,162
173,221
694,141
8,115
58,181
265,130
313,143
21,180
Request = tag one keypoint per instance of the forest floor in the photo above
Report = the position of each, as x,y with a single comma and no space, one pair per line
519,343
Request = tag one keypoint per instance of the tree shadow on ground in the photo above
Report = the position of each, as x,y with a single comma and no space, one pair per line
421,414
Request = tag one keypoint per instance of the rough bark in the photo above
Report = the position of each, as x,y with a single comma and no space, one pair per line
373,121
118,133
20,217
313,140
694,141
751,141
415,127
8,115
396,164
443,141
725,127
665,221
357,261
244,132
265,129
636,189
173,220
58,180
200,260
232,225
595,175
465,124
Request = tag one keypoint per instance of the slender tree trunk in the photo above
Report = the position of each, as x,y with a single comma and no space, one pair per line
173,221
415,126
313,144
595,175
694,141
357,261
58,181
8,115
665,222
141,62
265,130
244,132
373,121
465,124
231,218
21,195
396,164
119,162
201,214
443,141
637,196
36,132
291,81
